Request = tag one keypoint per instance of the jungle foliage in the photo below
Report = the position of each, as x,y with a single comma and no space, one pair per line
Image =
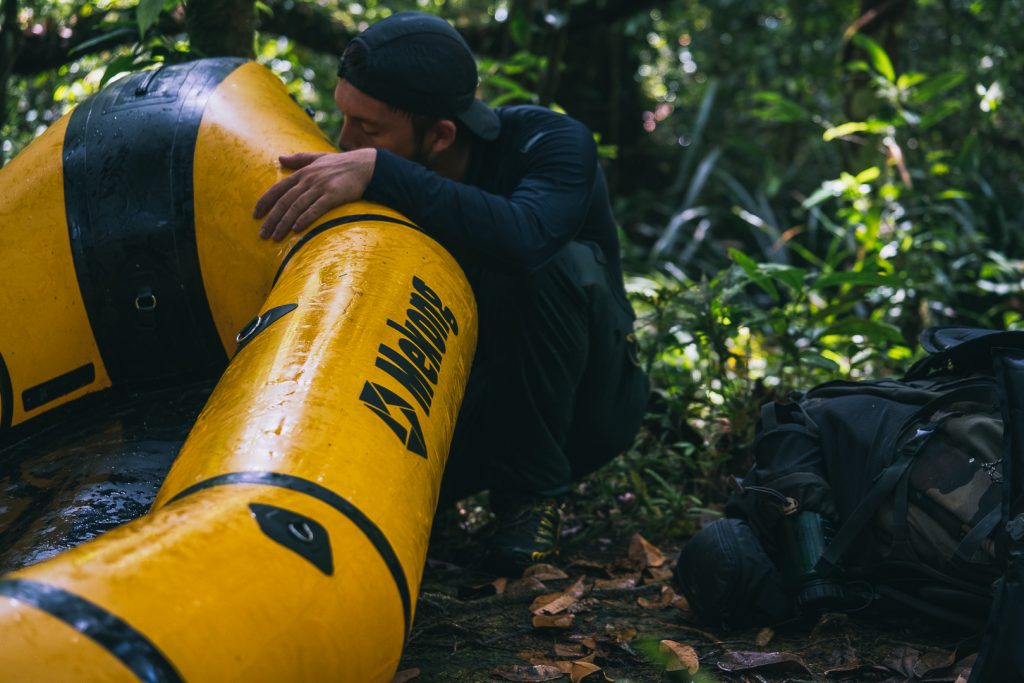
802,185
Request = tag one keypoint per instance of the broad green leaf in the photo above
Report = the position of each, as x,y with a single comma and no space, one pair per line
118,66
750,267
947,108
868,328
102,38
791,276
936,85
868,174
872,126
821,194
775,107
519,29
909,80
844,129
876,55
146,14
954,194
815,360
854,278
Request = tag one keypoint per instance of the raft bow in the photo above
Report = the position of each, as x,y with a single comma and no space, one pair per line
288,540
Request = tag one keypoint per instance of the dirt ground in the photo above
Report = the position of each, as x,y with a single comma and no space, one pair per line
612,607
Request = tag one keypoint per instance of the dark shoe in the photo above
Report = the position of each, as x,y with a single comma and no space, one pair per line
526,534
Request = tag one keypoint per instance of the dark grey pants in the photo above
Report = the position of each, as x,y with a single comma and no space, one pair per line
556,389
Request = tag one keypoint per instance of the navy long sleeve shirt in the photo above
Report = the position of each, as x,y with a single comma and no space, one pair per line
525,195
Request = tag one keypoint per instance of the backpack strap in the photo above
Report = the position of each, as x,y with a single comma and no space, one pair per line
887,480
970,543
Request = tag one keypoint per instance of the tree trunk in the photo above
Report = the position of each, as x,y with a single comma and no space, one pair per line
221,28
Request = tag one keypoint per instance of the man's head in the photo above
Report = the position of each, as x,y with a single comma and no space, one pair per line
408,84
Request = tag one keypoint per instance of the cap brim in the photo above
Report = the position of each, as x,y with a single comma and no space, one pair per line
482,120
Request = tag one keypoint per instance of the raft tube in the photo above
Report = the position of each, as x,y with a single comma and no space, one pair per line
288,540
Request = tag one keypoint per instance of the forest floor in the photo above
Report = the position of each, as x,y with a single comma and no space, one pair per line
607,610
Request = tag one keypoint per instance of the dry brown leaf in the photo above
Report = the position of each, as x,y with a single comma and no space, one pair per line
645,554
934,660
553,603
553,620
667,598
585,670
542,601
657,574
532,673
680,657
564,666
587,641
617,583
745,661
561,603
764,636
405,675
622,633
544,572
563,650
524,586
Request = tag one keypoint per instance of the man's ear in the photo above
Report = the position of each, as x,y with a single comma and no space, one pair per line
442,136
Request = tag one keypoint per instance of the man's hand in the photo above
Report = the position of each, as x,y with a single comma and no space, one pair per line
322,181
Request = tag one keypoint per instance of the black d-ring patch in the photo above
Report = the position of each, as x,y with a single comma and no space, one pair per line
300,534
262,322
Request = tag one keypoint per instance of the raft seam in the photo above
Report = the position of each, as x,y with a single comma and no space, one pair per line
334,223
324,495
113,634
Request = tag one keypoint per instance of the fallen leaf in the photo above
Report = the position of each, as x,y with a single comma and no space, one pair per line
667,598
622,633
657,575
562,650
746,661
934,660
903,660
525,586
764,636
589,641
645,554
528,673
585,670
679,657
544,572
553,620
406,675
564,666
617,583
553,603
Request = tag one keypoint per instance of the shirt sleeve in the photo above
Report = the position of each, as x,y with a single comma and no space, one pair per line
557,164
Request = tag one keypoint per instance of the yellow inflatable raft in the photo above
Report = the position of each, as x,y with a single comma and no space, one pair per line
288,541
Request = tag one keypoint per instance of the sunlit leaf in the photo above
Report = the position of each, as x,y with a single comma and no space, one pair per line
146,14
679,657
750,267
873,329
935,86
876,56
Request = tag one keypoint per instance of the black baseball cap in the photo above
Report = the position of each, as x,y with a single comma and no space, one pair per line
420,64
